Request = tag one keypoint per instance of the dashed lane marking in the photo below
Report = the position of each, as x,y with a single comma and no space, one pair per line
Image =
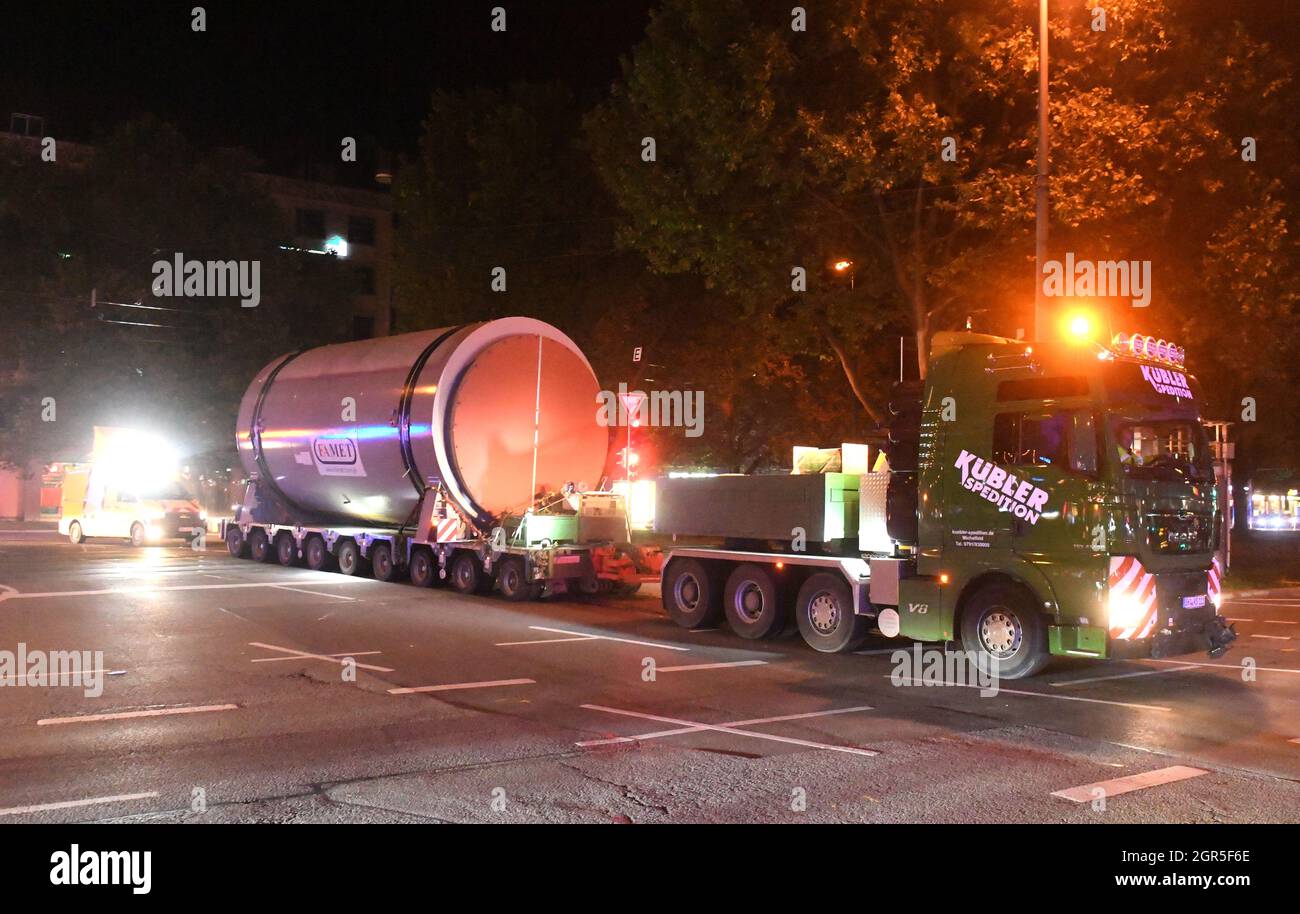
451,687
1226,666
316,593
126,715
1001,689
690,726
72,804
1075,682
709,666
586,636
8,593
1116,786
306,655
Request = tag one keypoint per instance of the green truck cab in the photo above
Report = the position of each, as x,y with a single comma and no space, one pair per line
1057,498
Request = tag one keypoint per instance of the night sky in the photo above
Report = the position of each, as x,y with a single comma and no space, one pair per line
289,79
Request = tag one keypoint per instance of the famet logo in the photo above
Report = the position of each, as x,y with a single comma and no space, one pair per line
992,483
335,450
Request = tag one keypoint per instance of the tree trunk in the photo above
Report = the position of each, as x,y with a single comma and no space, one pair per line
853,381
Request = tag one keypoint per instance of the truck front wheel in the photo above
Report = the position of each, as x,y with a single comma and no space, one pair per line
824,611
690,597
751,603
1003,629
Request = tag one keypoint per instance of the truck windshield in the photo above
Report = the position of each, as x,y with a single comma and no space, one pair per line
1155,421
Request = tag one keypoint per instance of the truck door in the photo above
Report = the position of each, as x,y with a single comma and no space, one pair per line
1057,451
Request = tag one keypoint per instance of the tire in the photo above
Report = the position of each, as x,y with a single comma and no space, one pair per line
316,553
76,535
752,604
512,577
691,597
381,562
235,542
259,546
286,550
351,562
424,569
467,575
824,611
137,537
1001,623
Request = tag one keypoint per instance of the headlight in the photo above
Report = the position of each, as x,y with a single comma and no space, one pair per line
1126,611
203,515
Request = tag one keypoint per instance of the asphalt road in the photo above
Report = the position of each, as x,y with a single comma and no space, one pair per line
547,711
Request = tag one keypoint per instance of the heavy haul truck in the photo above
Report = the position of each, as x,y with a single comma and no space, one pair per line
466,455
1029,501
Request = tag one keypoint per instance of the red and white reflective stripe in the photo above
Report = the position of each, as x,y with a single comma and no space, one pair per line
448,529
1129,579
1215,582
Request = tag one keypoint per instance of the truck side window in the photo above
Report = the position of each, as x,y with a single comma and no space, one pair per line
1006,438
1040,440
1083,445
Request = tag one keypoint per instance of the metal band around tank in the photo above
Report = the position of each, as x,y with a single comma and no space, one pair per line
404,409
255,431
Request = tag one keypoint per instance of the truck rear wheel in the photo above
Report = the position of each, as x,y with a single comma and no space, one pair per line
316,553
235,542
137,534
259,547
286,550
751,603
381,562
824,611
75,535
1004,630
690,597
467,575
513,578
351,561
424,569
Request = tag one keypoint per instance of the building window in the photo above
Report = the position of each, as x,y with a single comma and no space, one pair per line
361,230
365,281
363,326
311,223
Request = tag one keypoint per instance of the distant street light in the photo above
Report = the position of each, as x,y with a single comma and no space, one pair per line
843,266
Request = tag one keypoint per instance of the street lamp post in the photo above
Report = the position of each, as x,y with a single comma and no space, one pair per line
1040,181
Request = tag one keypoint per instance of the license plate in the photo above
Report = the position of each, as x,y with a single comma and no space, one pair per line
1195,602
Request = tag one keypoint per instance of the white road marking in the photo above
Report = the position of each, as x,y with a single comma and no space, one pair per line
9,594
315,593
579,636
1282,622
1297,740
1113,788
1238,619
690,726
462,685
1075,682
305,655
879,650
5,680
1227,666
542,641
1095,701
71,804
1273,637
709,666
125,715
339,654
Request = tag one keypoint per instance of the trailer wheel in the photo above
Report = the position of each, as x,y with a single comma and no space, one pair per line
824,611
137,534
235,542
351,562
467,575
381,562
286,550
751,603
513,578
75,534
690,597
259,547
424,570
317,553
1003,628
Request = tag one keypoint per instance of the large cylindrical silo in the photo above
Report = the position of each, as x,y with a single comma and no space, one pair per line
499,412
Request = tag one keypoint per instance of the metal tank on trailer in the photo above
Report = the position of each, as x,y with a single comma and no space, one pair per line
500,413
